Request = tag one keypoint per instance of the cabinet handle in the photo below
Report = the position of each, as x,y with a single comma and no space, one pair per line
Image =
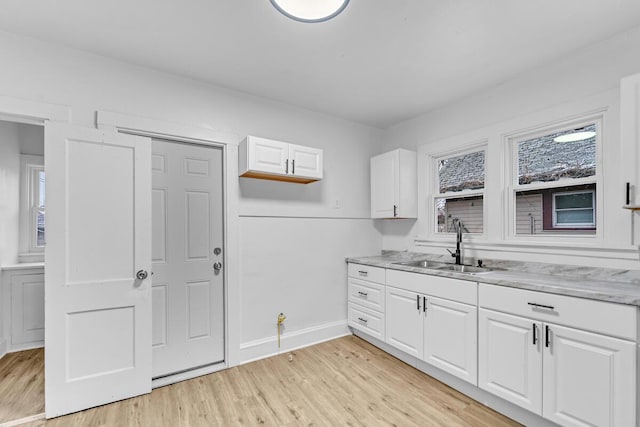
535,334
286,166
548,307
547,337
418,301
362,294
293,166
424,304
363,273
362,320
395,210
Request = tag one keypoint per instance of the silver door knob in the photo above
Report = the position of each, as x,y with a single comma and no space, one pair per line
142,274
217,266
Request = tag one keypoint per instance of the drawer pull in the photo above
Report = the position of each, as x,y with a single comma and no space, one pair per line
363,294
362,320
363,273
534,304
547,337
535,334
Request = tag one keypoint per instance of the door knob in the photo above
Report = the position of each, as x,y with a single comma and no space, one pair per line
217,266
142,274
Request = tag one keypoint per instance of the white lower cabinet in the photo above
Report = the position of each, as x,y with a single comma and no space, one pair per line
22,307
404,320
570,376
450,337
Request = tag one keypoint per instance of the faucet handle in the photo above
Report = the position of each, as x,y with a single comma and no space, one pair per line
452,253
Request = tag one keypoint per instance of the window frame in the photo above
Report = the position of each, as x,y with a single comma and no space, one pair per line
581,225
512,186
30,168
433,160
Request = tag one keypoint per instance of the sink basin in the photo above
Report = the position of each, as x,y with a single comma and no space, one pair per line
422,264
464,268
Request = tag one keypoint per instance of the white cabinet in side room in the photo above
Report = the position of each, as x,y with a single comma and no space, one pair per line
404,321
394,185
571,360
450,337
280,161
22,308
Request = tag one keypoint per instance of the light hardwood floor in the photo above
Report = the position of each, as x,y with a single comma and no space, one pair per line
21,384
343,382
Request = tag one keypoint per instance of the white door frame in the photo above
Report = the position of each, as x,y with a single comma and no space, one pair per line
229,143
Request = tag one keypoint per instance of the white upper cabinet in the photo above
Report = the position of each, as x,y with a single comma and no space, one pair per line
394,189
280,161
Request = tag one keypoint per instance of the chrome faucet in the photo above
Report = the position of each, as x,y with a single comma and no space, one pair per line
458,254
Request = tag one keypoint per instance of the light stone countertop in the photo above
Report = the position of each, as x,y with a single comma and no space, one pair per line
603,284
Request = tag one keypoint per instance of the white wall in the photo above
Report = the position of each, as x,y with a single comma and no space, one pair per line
39,71
578,83
9,192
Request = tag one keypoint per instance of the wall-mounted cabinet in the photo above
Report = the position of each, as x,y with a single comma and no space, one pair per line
279,161
394,185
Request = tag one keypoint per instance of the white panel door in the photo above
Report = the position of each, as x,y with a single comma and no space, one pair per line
450,337
188,303
267,155
403,320
384,184
306,162
589,379
97,312
510,359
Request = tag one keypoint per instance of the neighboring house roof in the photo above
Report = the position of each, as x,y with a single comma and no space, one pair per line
540,160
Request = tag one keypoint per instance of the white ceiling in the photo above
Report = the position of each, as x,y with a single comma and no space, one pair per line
380,62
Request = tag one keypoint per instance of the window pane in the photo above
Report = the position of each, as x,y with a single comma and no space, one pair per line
459,173
578,216
468,209
535,210
41,189
40,229
579,200
542,159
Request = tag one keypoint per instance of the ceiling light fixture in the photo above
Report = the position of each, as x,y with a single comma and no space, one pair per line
310,10
574,136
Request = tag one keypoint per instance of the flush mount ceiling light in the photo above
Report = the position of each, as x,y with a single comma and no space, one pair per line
575,136
310,10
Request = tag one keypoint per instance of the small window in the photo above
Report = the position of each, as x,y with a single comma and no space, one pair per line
574,210
460,192
33,208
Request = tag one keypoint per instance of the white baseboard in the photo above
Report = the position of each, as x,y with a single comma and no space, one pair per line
266,347
26,346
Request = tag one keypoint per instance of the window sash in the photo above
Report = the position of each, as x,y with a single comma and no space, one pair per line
556,210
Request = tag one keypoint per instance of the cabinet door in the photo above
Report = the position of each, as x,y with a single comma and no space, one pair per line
404,321
630,140
450,343
305,162
589,379
266,155
509,361
384,185
27,308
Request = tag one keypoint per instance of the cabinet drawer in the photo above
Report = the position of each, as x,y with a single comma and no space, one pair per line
437,286
367,272
367,294
613,319
366,320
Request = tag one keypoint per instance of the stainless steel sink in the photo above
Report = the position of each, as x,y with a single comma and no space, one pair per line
425,263
464,268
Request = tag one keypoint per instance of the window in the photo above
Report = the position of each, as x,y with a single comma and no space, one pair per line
460,192
555,180
32,208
